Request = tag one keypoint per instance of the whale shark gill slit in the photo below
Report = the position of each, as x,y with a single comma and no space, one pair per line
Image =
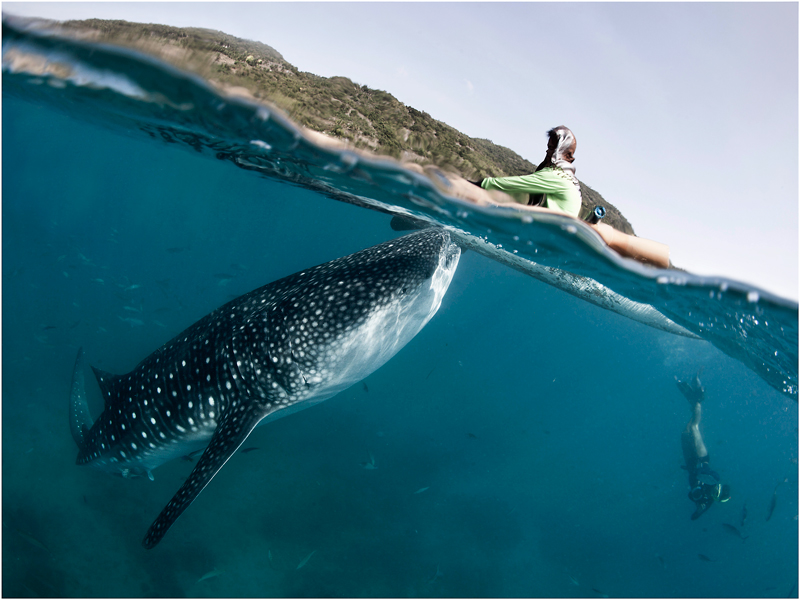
276,350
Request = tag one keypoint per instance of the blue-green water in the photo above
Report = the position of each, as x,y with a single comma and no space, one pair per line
545,429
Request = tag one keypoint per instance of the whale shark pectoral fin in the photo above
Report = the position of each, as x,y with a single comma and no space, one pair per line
80,421
232,431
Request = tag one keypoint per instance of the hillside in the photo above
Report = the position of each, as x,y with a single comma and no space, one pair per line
368,119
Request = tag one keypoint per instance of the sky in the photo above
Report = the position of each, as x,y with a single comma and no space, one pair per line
686,114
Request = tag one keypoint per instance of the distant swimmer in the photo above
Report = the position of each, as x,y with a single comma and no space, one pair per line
704,483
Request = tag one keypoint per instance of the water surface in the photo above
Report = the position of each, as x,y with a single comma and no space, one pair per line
545,428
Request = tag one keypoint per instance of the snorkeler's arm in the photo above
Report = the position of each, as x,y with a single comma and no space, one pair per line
541,182
471,192
631,246
461,188
479,193
467,190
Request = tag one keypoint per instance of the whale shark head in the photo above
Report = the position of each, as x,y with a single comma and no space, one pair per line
336,323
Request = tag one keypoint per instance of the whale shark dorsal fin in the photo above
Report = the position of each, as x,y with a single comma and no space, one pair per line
231,432
108,384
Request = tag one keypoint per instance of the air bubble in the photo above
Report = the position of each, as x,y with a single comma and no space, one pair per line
261,144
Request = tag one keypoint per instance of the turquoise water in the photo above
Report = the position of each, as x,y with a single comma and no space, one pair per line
545,428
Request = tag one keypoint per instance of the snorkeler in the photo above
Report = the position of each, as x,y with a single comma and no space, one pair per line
553,185
704,483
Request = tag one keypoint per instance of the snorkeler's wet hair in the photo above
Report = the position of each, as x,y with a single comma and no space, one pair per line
563,138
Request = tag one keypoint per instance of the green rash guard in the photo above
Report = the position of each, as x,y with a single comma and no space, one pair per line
561,194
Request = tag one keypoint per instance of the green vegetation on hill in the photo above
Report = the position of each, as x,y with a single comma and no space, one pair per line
368,119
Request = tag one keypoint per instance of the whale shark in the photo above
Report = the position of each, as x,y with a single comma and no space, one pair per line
281,348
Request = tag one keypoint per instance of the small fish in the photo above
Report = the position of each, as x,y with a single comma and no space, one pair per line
210,574
703,557
132,309
250,449
732,530
472,435
369,465
305,560
420,490
774,500
190,457
32,540
272,564
98,280
176,249
134,286
366,389
131,321
46,327
223,276
661,560
573,580
599,593
435,575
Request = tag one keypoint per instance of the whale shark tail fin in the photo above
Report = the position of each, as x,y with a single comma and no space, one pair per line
80,421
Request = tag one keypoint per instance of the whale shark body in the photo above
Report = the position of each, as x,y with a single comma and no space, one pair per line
281,348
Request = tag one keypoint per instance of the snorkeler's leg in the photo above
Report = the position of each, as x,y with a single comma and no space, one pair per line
693,428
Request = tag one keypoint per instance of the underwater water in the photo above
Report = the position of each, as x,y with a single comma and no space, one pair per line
525,443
